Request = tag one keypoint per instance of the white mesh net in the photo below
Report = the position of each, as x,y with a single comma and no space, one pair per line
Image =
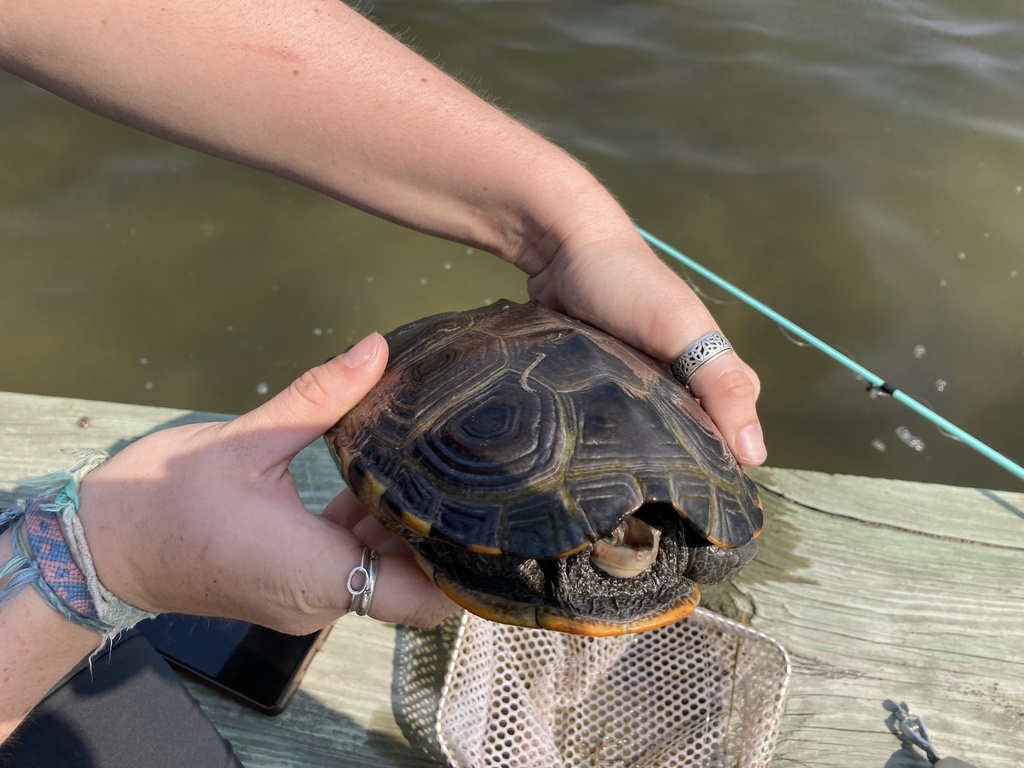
703,692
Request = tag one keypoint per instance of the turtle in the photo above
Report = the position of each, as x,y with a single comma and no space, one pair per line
547,474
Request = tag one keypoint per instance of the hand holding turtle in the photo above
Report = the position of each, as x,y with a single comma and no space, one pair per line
604,273
322,96
205,518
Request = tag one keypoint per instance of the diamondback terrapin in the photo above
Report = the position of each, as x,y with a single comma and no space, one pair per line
546,474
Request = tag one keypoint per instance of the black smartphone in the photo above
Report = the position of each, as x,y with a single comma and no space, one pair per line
257,666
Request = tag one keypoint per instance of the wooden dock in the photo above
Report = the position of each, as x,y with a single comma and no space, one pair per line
880,591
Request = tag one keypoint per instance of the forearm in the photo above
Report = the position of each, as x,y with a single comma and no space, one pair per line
311,90
38,647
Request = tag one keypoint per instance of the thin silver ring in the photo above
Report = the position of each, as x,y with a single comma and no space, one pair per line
698,354
363,596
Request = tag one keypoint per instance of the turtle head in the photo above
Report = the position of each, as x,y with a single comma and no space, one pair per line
627,551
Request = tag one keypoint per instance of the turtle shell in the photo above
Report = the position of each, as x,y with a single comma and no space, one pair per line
503,442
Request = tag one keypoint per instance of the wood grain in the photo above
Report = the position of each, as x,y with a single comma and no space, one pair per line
880,590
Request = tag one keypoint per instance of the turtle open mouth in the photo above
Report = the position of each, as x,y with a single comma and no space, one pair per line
629,550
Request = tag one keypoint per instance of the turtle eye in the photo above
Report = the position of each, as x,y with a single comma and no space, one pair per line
627,551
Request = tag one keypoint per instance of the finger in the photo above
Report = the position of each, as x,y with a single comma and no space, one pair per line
402,592
313,403
405,594
651,308
727,389
347,511
726,386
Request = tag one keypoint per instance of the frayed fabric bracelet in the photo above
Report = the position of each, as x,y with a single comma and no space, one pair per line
51,554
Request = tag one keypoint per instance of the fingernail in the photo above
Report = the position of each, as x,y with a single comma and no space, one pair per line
750,445
362,352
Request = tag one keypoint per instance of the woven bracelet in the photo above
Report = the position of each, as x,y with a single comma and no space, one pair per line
51,554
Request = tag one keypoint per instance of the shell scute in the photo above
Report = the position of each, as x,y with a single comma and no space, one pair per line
410,493
420,379
530,530
605,498
570,363
466,522
494,440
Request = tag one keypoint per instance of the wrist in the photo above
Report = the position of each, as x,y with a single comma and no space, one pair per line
27,615
49,552
111,535
569,211
48,646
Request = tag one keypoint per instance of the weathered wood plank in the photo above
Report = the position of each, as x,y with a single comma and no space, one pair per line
879,590
37,435
979,515
883,590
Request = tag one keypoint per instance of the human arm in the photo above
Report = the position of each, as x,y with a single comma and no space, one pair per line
39,647
312,91
205,519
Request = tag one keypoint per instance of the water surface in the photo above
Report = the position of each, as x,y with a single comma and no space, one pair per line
858,167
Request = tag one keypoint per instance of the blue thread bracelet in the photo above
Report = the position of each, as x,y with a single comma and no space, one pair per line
51,554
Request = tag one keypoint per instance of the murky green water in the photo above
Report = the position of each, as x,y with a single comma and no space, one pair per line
858,167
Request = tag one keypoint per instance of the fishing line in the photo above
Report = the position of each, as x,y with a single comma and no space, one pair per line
707,297
790,339
875,382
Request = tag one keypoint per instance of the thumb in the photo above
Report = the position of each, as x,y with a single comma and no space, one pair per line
315,401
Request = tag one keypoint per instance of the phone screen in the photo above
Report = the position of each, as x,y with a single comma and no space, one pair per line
258,666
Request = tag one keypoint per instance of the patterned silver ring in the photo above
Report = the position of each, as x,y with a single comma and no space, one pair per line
698,354
363,596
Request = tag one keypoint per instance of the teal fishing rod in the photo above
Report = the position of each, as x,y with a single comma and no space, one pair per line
875,381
